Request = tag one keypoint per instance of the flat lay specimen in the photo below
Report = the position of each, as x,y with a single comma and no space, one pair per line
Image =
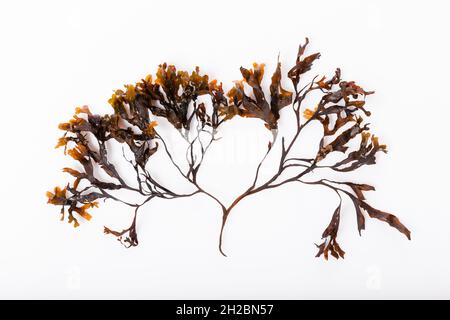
174,96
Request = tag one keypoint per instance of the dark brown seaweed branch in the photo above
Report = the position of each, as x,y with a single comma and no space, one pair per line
173,95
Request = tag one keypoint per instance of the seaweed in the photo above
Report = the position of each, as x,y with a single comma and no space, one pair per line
174,95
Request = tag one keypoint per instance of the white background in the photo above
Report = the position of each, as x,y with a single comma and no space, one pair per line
56,55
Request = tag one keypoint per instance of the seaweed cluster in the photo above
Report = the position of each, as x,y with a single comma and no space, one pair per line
173,95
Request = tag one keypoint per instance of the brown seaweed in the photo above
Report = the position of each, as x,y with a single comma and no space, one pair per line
173,95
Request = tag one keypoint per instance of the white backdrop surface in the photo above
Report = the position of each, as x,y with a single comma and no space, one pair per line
57,55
